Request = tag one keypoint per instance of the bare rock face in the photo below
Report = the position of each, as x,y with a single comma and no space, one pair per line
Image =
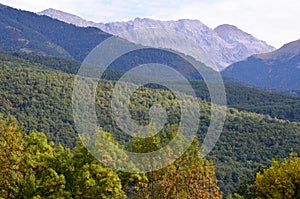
217,48
244,44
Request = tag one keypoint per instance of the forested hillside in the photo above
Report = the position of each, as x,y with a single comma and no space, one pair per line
240,97
40,98
31,167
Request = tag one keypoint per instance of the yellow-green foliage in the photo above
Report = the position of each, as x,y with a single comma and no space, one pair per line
32,167
280,180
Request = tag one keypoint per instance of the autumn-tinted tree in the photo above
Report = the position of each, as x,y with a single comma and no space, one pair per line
12,155
32,167
281,180
47,168
190,176
91,179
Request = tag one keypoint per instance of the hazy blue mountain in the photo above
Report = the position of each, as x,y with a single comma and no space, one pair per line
279,69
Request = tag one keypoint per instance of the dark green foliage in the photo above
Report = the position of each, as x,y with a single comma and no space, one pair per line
255,100
159,56
40,98
66,65
262,102
286,92
249,140
239,97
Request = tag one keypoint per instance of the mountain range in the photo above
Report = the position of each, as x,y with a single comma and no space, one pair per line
27,32
216,48
279,69
22,31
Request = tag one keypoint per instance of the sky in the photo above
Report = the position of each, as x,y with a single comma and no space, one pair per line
274,21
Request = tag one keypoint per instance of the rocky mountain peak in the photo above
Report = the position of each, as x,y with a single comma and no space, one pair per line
217,47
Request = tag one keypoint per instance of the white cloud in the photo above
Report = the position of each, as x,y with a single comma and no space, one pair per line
275,21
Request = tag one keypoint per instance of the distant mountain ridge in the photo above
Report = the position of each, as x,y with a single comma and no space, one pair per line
69,18
23,31
279,69
205,44
244,43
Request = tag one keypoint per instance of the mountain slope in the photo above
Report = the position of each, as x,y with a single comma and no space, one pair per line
68,18
41,99
239,97
201,42
245,44
26,31
279,69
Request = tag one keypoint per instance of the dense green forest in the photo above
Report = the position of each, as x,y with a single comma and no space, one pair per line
286,92
39,96
240,97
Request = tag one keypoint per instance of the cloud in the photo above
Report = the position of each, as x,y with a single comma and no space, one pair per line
273,21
